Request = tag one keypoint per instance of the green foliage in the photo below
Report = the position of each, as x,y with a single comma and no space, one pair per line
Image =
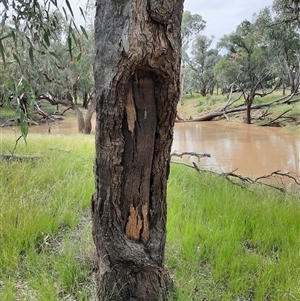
35,22
199,75
288,10
191,26
42,47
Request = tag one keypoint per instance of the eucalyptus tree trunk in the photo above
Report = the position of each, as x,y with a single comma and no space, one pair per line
89,115
249,101
137,67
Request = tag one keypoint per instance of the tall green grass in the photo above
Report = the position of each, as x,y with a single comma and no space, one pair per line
226,243
40,199
223,242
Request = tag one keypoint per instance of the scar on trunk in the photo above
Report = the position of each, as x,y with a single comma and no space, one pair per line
137,227
130,110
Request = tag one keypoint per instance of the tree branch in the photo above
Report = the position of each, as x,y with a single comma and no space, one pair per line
190,154
247,180
272,122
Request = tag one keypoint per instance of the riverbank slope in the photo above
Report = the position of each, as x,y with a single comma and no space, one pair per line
195,106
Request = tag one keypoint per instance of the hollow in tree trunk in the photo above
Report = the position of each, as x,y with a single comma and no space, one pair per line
137,84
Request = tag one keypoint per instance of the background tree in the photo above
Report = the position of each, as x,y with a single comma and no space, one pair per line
226,73
284,39
288,10
191,27
249,63
201,61
137,88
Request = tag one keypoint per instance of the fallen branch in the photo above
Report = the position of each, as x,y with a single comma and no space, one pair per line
63,112
281,116
20,157
190,154
41,112
280,174
248,180
230,103
211,115
264,114
232,175
178,117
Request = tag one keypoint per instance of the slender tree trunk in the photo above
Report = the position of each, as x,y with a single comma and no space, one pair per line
88,116
75,89
137,82
291,77
249,102
85,102
80,117
182,75
77,111
203,91
248,118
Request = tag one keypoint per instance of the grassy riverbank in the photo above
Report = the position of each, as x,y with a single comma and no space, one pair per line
223,242
195,105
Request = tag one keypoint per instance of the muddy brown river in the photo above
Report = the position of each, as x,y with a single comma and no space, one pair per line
253,151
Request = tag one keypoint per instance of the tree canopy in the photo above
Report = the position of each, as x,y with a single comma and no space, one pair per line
44,55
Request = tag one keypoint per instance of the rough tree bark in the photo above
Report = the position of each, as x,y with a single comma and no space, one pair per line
137,81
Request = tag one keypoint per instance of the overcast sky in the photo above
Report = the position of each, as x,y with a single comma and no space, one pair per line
222,17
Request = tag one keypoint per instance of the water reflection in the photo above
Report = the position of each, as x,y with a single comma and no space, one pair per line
254,151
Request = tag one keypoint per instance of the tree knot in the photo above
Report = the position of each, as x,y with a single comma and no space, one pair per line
161,10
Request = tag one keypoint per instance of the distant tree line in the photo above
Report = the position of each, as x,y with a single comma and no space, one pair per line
258,57
50,62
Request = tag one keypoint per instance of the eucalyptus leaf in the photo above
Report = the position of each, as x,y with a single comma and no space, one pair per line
31,56
46,37
2,54
82,13
70,8
70,46
16,58
78,57
84,32
54,55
